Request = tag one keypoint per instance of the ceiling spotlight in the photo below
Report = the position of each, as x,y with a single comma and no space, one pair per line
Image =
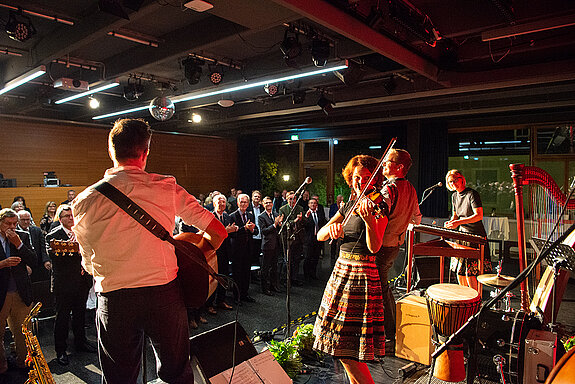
226,103
352,74
216,77
325,104
133,91
196,118
193,69
94,103
319,52
298,97
19,27
290,47
271,89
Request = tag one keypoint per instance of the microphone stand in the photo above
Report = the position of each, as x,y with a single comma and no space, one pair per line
287,227
424,196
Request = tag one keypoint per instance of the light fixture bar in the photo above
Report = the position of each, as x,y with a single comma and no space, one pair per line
134,39
258,83
533,27
37,14
22,79
7,51
88,92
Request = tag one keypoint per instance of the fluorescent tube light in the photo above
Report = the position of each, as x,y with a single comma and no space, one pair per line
22,79
88,92
219,91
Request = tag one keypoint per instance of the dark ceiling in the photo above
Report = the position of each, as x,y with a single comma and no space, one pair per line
418,59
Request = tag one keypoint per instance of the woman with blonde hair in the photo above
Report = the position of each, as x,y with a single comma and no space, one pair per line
466,217
349,324
48,217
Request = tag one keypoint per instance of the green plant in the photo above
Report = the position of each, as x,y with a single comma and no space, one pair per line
303,338
285,353
570,343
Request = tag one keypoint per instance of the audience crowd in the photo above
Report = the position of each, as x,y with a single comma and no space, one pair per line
263,232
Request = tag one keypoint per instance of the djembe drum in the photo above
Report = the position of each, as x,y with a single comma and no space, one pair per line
450,306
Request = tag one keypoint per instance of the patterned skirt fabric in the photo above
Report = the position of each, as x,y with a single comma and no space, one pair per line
470,267
349,323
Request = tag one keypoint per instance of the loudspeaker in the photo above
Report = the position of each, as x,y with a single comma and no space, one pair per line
212,351
428,270
413,330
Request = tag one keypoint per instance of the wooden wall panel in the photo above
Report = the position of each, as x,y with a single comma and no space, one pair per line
78,154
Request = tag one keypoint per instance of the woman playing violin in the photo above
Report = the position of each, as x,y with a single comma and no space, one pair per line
349,324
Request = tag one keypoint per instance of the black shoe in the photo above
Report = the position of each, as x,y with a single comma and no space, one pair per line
267,292
86,347
62,359
296,283
249,299
275,289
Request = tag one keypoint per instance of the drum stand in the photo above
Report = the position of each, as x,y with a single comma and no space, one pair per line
467,330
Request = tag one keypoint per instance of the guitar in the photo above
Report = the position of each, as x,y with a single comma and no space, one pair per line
197,284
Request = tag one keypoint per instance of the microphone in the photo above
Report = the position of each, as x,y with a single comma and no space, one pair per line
301,187
438,185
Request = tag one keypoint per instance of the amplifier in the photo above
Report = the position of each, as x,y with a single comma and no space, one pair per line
540,356
413,330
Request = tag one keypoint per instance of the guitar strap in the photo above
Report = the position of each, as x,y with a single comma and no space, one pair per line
141,216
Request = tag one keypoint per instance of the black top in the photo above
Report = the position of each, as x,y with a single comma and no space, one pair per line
354,236
463,204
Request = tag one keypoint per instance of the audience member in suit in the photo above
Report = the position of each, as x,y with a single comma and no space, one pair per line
315,219
241,242
71,196
295,233
256,208
38,244
70,285
304,199
334,246
15,287
233,200
269,223
279,201
218,299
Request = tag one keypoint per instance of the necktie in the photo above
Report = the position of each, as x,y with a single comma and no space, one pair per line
244,218
7,247
315,221
72,236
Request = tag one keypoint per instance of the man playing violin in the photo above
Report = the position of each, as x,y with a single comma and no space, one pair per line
135,271
403,209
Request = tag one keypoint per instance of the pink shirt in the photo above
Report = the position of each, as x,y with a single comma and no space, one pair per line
118,251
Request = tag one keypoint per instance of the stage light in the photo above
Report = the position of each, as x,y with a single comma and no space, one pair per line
133,91
294,137
290,47
352,74
325,104
298,97
193,70
285,178
19,27
196,118
22,79
271,89
94,103
319,52
216,77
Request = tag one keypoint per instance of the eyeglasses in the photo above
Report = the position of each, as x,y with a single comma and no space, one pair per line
453,181
65,216
392,161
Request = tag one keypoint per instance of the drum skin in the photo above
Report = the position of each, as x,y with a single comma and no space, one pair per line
450,306
564,370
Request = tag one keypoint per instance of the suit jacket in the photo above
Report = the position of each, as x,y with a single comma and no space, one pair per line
68,275
38,245
224,250
310,234
243,236
270,238
298,228
19,272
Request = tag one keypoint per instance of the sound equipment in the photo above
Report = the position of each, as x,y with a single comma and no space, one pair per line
212,351
413,330
450,306
540,356
501,343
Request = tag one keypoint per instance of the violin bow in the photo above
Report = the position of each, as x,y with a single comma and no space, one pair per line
366,186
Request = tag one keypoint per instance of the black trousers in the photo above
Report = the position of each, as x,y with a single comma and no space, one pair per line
125,316
66,302
269,271
219,295
312,251
241,268
384,261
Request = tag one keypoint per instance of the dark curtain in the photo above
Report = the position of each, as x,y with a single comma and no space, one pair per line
433,153
248,164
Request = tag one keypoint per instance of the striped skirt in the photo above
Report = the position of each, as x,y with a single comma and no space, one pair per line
349,322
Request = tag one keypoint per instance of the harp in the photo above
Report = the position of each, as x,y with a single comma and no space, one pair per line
546,200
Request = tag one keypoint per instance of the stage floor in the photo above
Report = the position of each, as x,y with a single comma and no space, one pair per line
267,314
